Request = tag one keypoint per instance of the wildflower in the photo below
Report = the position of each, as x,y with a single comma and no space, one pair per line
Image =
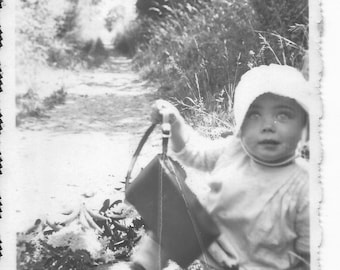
74,237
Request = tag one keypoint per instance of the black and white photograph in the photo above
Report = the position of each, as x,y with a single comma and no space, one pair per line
168,134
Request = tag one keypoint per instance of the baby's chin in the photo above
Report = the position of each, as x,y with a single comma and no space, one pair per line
275,159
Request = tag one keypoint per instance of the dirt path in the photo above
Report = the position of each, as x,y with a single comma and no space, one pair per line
83,146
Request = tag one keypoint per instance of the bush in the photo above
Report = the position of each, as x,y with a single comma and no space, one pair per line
278,16
134,38
199,63
37,26
160,8
50,33
199,55
283,31
56,98
31,105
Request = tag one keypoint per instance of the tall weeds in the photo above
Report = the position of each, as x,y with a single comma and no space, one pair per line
199,56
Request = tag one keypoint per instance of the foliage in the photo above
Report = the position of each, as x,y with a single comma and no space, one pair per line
160,8
278,16
139,32
214,124
283,31
57,33
135,37
199,54
56,98
67,21
199,63
38,23
75,247
122,235
34,33
39,251
94,53
113,16
31,105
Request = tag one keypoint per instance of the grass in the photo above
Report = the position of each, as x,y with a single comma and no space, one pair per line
199,56
31,105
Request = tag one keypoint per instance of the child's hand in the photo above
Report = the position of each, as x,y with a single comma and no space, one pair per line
179,131
161,108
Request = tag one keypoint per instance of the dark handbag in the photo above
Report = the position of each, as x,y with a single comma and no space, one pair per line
182,226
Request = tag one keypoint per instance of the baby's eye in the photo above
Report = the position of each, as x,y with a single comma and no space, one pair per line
284,116
253,115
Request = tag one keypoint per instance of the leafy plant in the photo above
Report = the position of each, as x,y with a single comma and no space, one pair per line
34,251
280,15
198,64
198,54
56,98
160,8
31,105
72,245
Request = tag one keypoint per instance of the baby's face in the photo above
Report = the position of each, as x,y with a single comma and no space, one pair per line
272,128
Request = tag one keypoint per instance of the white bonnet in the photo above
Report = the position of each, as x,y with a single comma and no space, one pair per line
277,79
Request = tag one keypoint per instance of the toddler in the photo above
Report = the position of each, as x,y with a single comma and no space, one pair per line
258,193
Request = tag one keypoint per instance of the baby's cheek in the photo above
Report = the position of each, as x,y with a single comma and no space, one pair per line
294,136
248,139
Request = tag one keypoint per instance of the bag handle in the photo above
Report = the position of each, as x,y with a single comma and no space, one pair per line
166,127
137,152
165,139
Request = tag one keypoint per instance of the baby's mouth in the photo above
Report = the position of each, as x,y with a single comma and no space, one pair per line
269,142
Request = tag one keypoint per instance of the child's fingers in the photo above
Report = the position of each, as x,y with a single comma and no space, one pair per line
161,104
171,114
161,108
155,116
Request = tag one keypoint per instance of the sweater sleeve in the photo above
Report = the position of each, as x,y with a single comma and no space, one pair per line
201,153
302,221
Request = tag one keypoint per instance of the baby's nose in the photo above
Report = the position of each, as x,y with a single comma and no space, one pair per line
269,124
